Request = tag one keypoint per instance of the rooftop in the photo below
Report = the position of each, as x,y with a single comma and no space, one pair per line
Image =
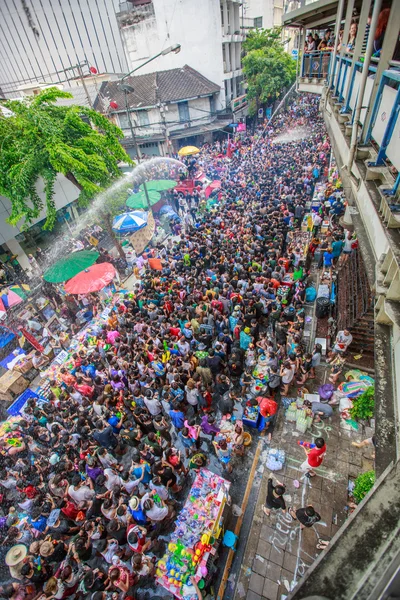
162,86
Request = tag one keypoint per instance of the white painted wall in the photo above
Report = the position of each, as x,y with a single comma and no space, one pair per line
199,113
196,26
270,10
67,33
64,193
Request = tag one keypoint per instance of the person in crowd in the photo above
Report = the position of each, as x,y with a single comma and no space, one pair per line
96,474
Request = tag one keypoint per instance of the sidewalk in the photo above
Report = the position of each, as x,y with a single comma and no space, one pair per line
278,552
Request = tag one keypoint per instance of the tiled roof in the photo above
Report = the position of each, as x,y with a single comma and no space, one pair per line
162,86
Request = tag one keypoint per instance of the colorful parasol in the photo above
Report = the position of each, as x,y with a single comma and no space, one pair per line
2,309
130,222
159,185
139,200
10,299
92,279
21,291
188,151
71,265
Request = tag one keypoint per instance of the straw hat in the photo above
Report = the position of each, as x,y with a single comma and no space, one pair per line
15,555
134,502
46,549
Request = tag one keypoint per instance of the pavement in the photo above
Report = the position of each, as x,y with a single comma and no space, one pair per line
278,553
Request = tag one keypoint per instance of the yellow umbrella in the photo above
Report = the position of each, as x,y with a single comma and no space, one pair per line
188,150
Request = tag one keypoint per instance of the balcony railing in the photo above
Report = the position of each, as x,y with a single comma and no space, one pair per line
315,65
384,124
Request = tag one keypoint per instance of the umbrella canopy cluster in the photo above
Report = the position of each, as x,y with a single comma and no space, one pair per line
82,275
154,187
13,296
130,222
92,279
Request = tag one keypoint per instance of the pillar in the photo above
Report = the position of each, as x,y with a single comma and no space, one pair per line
16,248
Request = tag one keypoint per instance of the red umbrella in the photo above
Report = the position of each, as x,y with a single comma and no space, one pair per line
93,279
213,186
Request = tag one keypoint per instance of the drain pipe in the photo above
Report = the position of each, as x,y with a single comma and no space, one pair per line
339,15
364,76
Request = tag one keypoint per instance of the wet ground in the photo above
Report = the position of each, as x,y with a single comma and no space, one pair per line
276,552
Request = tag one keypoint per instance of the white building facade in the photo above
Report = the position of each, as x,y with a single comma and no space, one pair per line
44,40
264,13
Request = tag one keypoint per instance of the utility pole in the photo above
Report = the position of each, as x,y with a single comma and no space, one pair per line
128,89
81,77
166,130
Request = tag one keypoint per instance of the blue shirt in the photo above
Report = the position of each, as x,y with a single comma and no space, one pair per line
139,516
113,421
177,418
40,524
137,471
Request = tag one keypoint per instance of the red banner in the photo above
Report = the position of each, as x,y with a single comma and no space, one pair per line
32,340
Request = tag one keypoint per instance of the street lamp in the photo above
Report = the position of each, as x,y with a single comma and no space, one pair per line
128,89
175,49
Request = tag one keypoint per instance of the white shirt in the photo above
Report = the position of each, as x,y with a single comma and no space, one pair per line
153,406
112,479
81,494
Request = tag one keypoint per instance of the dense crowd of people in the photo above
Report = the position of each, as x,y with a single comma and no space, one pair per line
91,488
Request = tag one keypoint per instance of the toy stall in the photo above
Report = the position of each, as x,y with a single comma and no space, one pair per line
195,540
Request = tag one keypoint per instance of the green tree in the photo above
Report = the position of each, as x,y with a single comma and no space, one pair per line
40,139
267,67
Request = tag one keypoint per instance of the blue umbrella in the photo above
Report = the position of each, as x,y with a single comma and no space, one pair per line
130,222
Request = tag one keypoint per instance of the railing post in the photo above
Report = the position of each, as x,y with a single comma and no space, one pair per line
350,87
338,77
346,68
389,44
374,111
389,130
365,8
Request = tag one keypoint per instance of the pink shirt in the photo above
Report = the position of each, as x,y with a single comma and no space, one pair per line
112,336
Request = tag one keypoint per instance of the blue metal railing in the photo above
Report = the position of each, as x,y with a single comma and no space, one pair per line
315,64
343,89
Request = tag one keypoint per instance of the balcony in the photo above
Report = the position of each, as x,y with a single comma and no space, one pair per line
313,72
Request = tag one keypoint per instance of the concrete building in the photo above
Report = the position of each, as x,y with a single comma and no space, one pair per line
264,13
210,36
169,109
42,40
360,103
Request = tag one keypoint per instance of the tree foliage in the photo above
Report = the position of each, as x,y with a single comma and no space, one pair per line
40,139
267,67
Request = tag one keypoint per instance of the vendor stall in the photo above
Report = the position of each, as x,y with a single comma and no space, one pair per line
194,542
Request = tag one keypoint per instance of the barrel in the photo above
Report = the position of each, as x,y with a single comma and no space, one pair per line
322,307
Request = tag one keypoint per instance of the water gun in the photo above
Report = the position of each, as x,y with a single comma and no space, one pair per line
306,444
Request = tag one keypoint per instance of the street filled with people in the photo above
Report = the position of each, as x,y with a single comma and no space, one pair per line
92,486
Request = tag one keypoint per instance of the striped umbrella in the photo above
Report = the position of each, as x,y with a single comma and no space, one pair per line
130,222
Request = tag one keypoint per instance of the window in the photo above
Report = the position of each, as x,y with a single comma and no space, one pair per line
212,105
143,118
123,121
258,22
183,108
